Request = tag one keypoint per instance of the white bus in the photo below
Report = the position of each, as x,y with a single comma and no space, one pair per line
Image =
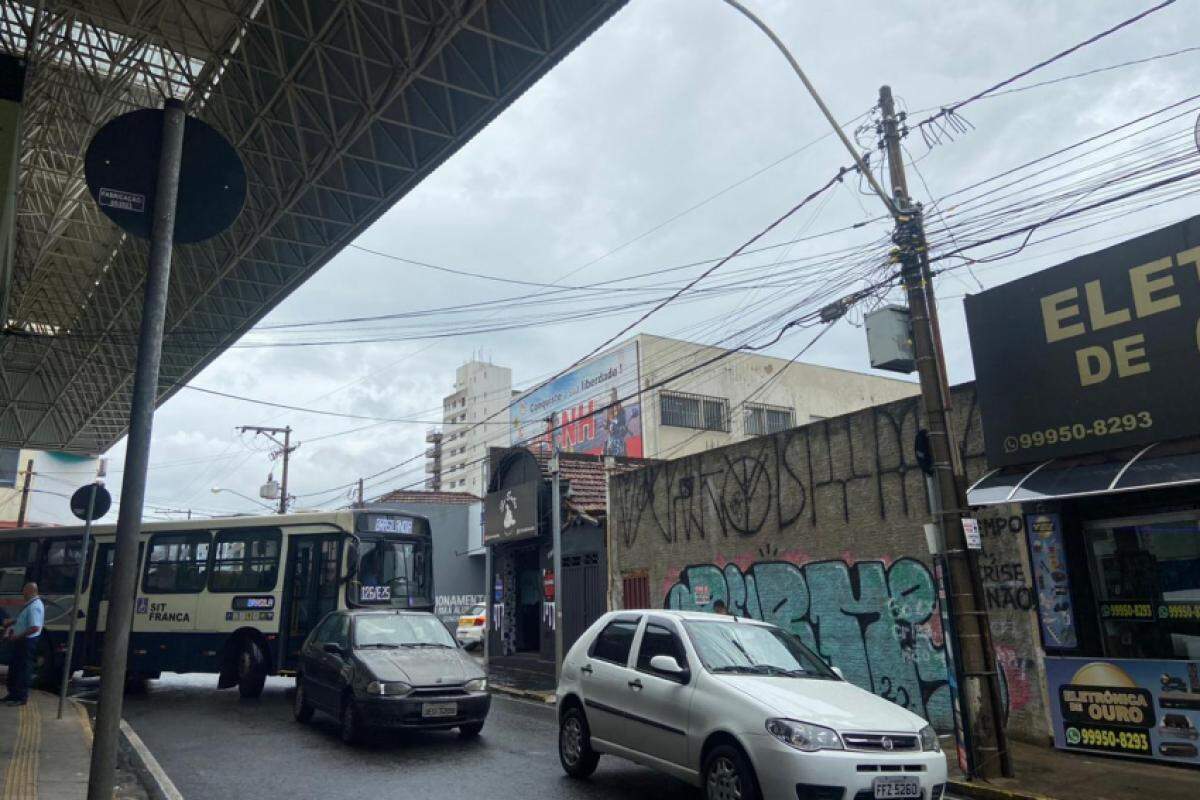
235,596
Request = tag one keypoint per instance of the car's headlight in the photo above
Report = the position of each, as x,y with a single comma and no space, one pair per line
929,740
388,688
803,735
477,685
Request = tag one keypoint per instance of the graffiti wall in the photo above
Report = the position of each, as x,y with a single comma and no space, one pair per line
819,530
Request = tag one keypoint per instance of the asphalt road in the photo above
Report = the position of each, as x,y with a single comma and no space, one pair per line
216,746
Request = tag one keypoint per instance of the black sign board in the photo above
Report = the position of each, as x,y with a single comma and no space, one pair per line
511,513
81,497
121,167
1099,353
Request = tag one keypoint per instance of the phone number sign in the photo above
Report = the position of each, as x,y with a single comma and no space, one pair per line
1093,354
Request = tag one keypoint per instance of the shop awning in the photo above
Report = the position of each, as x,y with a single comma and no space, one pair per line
1156,466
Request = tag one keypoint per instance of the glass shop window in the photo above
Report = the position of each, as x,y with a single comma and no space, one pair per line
1146,572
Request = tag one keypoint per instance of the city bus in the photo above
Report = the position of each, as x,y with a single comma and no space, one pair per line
234,596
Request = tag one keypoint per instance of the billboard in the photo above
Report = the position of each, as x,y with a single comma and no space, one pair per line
595,407
1095,354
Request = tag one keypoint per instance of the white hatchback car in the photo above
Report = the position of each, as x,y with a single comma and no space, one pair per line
739,708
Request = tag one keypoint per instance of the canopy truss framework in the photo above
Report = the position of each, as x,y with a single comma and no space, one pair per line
338,109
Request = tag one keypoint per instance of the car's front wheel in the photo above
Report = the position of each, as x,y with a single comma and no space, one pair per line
302,710
470,731
728,775
575,751
351,729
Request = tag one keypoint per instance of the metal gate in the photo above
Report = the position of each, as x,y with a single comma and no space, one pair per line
583,595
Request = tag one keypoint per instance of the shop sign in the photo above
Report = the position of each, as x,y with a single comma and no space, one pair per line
1094,354
1149,611
1143,708
971,533
511,513
1049,563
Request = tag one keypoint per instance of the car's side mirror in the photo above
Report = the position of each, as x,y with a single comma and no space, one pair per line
667,665
838,671
334,648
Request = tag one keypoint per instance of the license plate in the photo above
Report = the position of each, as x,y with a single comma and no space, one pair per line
892,786
451,710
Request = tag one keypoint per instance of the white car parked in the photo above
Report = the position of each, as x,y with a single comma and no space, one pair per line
739,708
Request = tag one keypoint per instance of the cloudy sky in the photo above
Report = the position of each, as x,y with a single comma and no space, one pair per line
667,105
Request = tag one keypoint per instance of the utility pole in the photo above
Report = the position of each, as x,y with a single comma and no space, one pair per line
980,701
360,492
25,489
285,449
556,543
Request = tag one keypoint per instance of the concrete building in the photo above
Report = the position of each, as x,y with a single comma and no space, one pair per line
457,455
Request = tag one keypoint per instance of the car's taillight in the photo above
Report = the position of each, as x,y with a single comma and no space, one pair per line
479,622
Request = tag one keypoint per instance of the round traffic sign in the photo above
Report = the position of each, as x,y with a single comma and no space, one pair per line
121,167
79,501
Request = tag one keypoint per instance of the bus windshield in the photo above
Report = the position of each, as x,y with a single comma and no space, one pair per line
392,573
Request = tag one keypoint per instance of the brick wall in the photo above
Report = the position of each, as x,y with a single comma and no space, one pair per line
819,529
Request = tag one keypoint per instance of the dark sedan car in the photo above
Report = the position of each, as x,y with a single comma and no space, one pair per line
389,669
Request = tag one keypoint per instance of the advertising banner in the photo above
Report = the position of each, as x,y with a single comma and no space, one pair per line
595,407
1094,354
1143,708
1049,563
511,513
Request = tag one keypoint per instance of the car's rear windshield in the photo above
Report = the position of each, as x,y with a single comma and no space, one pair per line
728,646
401,630
476,611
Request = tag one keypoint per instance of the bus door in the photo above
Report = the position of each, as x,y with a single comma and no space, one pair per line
310,589
97,608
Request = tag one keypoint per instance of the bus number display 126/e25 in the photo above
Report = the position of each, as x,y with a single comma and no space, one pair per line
236,596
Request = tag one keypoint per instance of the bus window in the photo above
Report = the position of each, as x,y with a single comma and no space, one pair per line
245,560
60,566
178,563
15,559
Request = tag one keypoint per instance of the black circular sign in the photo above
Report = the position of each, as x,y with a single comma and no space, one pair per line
79,501
121,166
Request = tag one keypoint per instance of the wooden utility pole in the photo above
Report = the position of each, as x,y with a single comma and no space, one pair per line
25,488
360,492
971,640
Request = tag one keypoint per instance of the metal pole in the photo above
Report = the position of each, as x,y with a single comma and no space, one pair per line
83,551
123,583
970,630
287,449
25,494
556,533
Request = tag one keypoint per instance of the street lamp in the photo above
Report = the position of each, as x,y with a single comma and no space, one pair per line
219,489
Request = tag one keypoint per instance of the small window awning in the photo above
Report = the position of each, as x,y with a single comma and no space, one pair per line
1156,466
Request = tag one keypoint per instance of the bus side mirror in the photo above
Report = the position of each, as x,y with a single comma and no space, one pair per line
351,561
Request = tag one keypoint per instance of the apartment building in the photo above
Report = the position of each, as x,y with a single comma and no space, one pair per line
474,418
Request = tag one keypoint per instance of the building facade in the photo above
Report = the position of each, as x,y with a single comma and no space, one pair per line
54,478
819,529
474,418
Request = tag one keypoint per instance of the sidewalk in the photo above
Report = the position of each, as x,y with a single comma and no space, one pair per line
45,758
1043,772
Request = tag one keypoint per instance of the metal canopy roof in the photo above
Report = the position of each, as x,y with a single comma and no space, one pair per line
338,108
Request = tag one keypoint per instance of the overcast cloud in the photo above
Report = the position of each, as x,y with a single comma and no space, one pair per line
668,103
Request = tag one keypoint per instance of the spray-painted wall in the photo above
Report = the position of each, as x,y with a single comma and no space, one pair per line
819,529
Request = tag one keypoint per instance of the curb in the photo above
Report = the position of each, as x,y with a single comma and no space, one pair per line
156,781
980,791
524,694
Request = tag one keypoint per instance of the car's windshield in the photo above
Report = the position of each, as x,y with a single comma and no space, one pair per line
737,647
400,630
476,611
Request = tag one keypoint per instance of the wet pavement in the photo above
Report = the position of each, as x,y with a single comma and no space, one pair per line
215,745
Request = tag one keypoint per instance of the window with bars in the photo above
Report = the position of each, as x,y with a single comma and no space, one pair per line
763,419
635,590
680,410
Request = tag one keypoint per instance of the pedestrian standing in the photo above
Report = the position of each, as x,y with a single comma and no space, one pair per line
22,635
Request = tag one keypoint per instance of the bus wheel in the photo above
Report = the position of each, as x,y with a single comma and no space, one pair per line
251,669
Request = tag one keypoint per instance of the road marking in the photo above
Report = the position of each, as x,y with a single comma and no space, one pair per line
20,779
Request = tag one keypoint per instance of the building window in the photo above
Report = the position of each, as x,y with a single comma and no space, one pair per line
680,410
10,463
635,590
763,419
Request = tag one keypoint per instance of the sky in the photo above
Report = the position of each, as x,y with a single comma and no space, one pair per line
668,104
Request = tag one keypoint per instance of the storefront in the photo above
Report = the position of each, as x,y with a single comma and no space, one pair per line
517,532
1086,375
